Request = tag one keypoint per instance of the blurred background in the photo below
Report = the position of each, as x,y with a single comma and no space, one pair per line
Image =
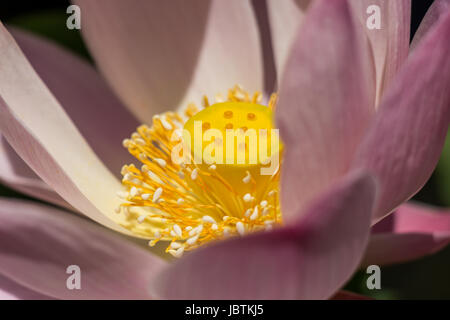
428,278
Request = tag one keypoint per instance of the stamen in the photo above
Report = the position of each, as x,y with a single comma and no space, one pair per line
157,194
240,228
208,219
255,214
247,178
248,197
188,204
194,174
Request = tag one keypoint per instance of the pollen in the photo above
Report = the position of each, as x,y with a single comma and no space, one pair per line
191,203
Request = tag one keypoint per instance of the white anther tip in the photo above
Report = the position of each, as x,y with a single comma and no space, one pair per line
177,230
134,192
161,162
194,174
208,219
192,240
141,219
140,142
240,228
255,214
175,245
248,197
157,194
165,123
177,253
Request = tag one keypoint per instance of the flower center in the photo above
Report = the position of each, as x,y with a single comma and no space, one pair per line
207,177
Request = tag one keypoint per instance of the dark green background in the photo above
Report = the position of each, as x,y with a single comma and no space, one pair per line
426,278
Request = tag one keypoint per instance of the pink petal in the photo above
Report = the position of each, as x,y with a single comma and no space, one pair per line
390,44
285,19
405,142
86,99
269,70
411,232
10,290
323,107
310,259
437,10
17,175
160,55
102,120
38,243
42,134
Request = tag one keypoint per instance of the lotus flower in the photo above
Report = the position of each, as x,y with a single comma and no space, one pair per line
362,115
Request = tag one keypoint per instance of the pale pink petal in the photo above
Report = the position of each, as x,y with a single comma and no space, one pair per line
38,243
101,119
323,108
10,290
15,174
310,259
411,232
390,43
437,10
86,99
42,134
160,55
285,20
405,142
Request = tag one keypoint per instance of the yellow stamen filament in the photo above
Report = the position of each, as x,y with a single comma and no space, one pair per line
192,204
